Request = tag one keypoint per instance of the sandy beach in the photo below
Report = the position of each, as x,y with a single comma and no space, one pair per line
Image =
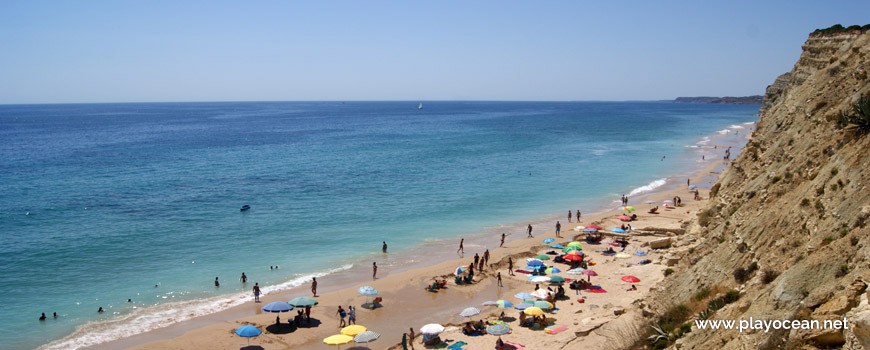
406,304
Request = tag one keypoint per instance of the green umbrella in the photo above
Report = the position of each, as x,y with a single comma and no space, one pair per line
302,302
543,305
557,279
542,257
569,249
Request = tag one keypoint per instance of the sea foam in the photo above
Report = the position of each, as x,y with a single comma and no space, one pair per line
163,315
648,187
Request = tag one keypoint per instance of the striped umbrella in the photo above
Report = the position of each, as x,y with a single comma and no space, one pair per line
468,312
577,271
499,303
498,329
552,270
366,337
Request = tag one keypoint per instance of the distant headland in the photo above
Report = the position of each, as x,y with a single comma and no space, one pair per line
745,100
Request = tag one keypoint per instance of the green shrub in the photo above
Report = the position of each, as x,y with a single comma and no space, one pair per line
859,117
669,271
776,179
768,276
805,202
701,294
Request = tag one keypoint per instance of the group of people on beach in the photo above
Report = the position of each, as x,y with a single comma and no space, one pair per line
569,216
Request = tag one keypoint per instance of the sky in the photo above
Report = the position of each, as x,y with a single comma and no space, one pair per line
166,51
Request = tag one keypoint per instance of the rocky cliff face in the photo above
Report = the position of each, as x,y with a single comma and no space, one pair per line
787,224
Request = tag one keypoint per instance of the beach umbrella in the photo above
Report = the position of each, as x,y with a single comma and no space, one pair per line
693,186
353,330
594,226
617,230
277,306
248,332
571,248
573,257
338,339
535,263
523,296
556,246
543,305
502,304
302,302
623,218
366,337
578,228
623,256
549,240
539,279
523,306
460,270
552,270
590,230
630,279
639,253
628,208
498,329
432,329
589,273
667,201
557,279
470,311
542,257
574,244
533,311
577,271
367,291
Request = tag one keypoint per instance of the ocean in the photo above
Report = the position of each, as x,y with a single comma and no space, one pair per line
109,202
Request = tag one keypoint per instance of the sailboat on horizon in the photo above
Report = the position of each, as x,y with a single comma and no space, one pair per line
420,106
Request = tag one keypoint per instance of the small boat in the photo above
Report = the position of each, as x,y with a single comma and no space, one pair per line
245,207
420,106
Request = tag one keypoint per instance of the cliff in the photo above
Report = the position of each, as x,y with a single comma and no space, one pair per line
785,228
745,100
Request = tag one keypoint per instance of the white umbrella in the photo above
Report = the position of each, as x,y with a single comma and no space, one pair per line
540,279
542,293
365,337
468,312
432,329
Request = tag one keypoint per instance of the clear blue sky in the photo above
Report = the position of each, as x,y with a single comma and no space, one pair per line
127,51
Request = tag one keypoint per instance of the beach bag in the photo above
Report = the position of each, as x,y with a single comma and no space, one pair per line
342,313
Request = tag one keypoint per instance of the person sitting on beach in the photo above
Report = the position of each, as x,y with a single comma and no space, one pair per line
522,318
654,210
480,326
633,287
442,284
468,329
610,251
633,217
433,287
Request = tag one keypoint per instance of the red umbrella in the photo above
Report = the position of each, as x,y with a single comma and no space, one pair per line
594,226
630,279
573,257
624,218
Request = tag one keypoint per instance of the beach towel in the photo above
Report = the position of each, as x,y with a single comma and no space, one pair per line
555,329
511,345
523,271
596,290
457,345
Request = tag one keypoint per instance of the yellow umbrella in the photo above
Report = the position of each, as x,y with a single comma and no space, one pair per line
353,330
533,311
337,339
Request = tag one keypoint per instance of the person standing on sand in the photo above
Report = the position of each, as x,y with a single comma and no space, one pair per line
342,314
461,248
498,277
570,215
257,292
529,229
411,336
502,240
486,257
351,315
578,216
558,228
476,260
374,270
307,313
314,286
384,248
510,266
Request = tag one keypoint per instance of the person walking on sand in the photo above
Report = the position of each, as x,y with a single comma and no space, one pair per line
342,314
570,215
314,286
411,336
529,229
374,270
498,277
510,266
351,315
558,228
578,216
502,240
244,278
257,292
461,248
384,248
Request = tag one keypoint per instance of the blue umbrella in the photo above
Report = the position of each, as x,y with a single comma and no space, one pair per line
693,186
248,332
549,240
640,253
535,263
523,306
590,230
277,306
524,296
367,291
556,246
617,230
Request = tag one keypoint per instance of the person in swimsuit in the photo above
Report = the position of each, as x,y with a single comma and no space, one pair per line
256,292
314,286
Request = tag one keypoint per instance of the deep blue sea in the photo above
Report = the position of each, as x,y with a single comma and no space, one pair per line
101,202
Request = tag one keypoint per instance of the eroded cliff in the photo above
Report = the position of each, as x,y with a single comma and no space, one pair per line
786,225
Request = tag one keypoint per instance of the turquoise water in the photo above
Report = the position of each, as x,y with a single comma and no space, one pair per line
105,201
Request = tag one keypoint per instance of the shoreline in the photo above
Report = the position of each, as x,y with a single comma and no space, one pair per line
403,264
